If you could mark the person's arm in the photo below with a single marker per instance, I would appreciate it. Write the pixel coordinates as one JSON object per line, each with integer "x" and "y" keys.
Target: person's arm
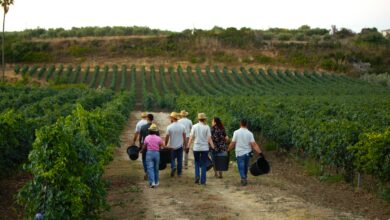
{"x": 166, "y": 139}
{"x": 211, "y": 142}
{"x": 162, "y": 145}
{"x": 232, "y": 145}
{"x": 135, "y": 137}
{"x": 189, "y": 142}
{"x": 256, "y": 147}
{"x": 143, "y": 146}
{"x": 184, "y": 137}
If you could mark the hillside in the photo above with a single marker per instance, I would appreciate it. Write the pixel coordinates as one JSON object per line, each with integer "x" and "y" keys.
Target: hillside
{"x": 305, "y": 48}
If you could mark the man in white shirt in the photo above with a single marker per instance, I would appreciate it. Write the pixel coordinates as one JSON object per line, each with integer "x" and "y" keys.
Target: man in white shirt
{"x": 138, "y": 127}
{"x": 187, "y": 123}
{"x": 174, "y": 139}
{"x": 244, "y": 142}
{"x": 201, "y": 135}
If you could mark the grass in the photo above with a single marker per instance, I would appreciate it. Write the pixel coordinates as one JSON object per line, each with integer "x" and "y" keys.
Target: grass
{"x": 271, "y": 146}
{"x": 312, "y": 168}
{"x": 331, "y": 178}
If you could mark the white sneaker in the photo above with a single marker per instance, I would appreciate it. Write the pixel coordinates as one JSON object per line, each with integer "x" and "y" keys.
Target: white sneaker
{"x": 157, "y": 184}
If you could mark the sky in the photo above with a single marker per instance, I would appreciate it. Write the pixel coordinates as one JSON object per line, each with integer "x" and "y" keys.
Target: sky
{"x": 177, "y": 15}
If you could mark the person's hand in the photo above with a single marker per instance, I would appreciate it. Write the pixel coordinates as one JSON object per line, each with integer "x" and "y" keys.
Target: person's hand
{"x": 187, "y": 150}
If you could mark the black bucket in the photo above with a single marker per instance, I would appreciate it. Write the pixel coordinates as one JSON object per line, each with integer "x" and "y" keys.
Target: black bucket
{"x": 221, "y": 163}
{"x": 165, "y": 156}
{"x": 133, "y": 152}
{"x": 260, "y": 167}
{"x": 209, "y": 164}
{"x": 162, "y": 166}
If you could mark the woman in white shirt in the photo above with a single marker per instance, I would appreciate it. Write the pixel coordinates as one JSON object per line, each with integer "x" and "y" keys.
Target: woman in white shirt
{"x": 201, "y": 135}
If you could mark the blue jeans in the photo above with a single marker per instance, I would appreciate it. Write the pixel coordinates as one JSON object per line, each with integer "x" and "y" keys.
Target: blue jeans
{"x": 243, "y": 164}
{"x": 177, "y": 155}
{"x": 144, "y": 161}
{"x": 153, "y": 162}
{"x": 201, "y": 158}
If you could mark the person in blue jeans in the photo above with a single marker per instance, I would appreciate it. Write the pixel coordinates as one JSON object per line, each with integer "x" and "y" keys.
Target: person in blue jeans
{"x": 201, "y": 135}
{"x": 174, "y": 139}
{"x": 244, "y": 142}
{"x": 153, "y": 143}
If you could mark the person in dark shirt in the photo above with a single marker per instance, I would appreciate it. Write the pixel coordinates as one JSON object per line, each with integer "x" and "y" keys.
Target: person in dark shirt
{"x": 143, "y": 133}
{"x": 220, "y": 139}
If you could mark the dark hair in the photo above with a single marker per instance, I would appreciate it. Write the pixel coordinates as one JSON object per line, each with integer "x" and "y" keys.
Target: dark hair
{"x": 243, "y": 122}
{"x": 153, "y": 132}
{"x": 218, "y": 122}
{"x": 150, "y": 117}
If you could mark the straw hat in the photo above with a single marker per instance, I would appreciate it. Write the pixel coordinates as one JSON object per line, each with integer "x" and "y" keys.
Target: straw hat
{"x": 202, "y": 116}
{"x": 144, "y": 115}
{"x": 183, "y": 113}
{"x": 153, "y": 127}
{"x": 173, "y": 115}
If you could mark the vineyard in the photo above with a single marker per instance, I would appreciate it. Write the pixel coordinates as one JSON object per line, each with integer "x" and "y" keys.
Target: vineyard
{"x": 66, "y": 135}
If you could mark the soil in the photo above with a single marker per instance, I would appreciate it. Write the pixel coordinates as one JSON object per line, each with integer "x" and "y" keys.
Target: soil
{"x": 286, "y": 193}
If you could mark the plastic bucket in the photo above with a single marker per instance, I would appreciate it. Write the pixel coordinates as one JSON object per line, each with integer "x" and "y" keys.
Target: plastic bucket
{"x": 221, "y": 163}
{"x": 260, "y": 166}
{"x": 162, "y": 166}
{"x": 133, "y": 152}
{"x": 165, "y": 156}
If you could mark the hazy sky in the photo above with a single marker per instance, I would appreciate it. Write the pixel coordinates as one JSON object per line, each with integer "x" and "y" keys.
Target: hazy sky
{"x": 182, "y": 14}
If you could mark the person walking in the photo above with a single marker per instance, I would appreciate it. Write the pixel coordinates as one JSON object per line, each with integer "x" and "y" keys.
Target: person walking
{"x": 201, "y": 135}
{"x": 143, "y": 133}
{"x": 244, "y": 142}
{"x": 174, "y": 139}
{"x": 219, "y": 137}
{"x": 152, "y": 145}
{"x": 140, "y": 123}
{"x": 187, "y": 123}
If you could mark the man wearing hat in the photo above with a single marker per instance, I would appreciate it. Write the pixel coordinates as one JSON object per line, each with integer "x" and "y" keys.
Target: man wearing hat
{"x": 201, "y": 135}
{"x": 174, "y": 139}
{"x": 145, "y": 132}
{"x": 187, "y": 123}
{"x": 140, "y": 123}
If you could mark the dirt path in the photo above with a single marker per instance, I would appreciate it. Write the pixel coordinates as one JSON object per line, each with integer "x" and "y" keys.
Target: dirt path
{"x": 266, "y": 197}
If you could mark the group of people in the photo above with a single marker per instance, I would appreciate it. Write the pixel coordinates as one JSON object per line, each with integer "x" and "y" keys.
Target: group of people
{"x": 180, "y": 135}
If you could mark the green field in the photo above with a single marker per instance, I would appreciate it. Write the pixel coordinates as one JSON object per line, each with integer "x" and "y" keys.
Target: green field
{"x": 341, "y": 122}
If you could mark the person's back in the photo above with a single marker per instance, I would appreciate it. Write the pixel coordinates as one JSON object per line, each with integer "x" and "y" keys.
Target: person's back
{"x": 145, "y": 132}
{"x": 175, "y": 131}
{"x": 243, "y": 138}
{"x": 187, "y": 123}
{"x": 201, "y": 133}
{"x": 153, "y": 142}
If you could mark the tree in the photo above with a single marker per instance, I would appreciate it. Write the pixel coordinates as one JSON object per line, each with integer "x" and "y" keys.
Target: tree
{"x": 5, "y": 4}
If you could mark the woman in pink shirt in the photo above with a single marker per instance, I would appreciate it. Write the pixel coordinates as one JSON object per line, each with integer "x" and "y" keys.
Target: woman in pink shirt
{"x": 153, "y": 143}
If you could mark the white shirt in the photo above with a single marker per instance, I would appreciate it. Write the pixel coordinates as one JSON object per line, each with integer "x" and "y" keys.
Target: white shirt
{"x": 187, "y": 123}
{"x": 141, "y": 123}
{"x": 175, "y": 132}
{"x": 200, "y": 133}
{"x": 243, "y": 138}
